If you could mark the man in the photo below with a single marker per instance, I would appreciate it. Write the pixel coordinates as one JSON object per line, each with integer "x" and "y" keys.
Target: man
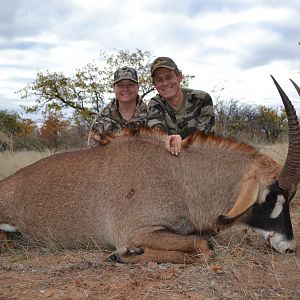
{"x": 176, "y": 110}
{"x": 126, "y": 110}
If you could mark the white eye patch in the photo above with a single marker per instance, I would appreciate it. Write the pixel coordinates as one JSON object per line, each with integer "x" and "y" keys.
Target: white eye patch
{"x": 262, "y": 196}
{"x": 278, "y": 207}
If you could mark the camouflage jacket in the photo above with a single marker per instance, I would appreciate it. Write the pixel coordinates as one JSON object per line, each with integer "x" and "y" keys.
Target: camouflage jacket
{"x": 196, "y": 113}
{"x": 110, "y": 120}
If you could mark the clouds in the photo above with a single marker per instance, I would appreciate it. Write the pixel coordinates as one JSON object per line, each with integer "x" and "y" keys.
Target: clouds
{"x": 23, "y": 19}
{"x": 230, "y": 42}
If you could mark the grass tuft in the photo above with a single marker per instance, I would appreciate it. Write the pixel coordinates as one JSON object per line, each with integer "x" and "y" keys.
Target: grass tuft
{"x": 11, "y": 162}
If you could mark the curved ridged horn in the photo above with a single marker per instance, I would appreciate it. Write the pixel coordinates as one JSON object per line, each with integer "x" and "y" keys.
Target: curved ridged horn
{"x": 296, "y": 86}
{"x": 290, "y": 173}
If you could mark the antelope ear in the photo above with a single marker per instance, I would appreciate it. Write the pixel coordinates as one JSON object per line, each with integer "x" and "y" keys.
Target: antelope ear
{"x": 248, "y": 196}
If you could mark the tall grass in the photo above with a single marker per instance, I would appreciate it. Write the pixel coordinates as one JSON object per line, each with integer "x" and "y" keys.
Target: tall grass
{"x": 12, "y": 162}
{"x": 277, "y": 151}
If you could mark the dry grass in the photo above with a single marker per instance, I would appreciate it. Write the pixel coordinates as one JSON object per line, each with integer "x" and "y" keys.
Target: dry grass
{"x": 12, "y": 162}
{"x": 277, "y": 151}
{"x": 242, "y": 267}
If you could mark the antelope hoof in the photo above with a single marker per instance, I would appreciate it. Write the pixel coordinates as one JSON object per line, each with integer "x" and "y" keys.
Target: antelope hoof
{"x": 117, "y": 255}
{"x": 114, "y": 257}
{"x": 136, "y": 251}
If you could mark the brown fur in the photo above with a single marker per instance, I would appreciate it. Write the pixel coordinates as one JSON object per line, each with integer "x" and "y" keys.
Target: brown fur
{"x": 133, "y": 193}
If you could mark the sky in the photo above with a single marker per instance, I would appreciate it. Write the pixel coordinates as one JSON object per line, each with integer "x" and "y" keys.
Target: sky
{"x": 228, "y": 44}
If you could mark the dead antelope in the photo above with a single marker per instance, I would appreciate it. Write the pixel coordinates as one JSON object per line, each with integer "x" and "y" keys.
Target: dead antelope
{"x": 132, "y": 196}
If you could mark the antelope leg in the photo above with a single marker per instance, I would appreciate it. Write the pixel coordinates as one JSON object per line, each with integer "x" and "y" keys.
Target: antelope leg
{"x": 162, "y": 246}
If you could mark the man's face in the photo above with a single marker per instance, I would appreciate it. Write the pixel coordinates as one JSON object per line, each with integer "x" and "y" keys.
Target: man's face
{"x": 126, "y": 90}
{"x": 167, "y": 82}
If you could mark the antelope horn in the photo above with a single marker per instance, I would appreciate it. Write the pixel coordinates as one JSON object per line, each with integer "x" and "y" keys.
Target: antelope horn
{"x": 296, "y": 86}
{"x": 288, "y": 178}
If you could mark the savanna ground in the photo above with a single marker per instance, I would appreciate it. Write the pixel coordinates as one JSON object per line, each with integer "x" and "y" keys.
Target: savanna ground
{"x": 242, "y": 267}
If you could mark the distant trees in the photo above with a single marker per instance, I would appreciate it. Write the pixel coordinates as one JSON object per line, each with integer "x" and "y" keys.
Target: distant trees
{"x": 17, "y": 133}
{"x": 10, "y": 122}
{"x": 272, "y": 122}
{"x": 250, "y": 121}
{"x": 54, "y": 133}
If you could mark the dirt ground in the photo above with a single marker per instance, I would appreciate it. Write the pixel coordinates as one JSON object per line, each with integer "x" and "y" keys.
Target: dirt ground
{"x": 242, "y": 267}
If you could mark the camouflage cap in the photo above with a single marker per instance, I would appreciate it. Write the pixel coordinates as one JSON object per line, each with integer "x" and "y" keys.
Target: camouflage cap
{"x": 163, "y": 62}
{"x": 125, "y": 73}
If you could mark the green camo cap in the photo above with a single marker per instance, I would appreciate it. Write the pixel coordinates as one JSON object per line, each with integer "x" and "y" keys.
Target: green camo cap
{"x": 125, "y": 73}
{"x": 163, "y": 62}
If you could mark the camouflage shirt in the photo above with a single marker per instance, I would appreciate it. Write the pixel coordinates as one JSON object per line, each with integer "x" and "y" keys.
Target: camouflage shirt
{"x": 196, "y": 112}
{"x": 110, "y": 120}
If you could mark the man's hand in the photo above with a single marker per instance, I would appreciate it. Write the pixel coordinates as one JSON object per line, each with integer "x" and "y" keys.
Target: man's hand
{"x": 173, "y": 144}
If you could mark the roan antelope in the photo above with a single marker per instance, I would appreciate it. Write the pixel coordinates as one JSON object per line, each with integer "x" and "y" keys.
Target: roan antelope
{"x": 132, "y": 196}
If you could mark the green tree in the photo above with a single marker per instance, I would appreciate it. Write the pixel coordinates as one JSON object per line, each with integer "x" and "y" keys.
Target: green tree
{"x": 259, "y": 123}
{"x": 10, "y": 122}
{"x": 272, "y": 122}
{"x": 18, "y": 133}
{"x": 233, "y": 117}
{"x": 82, "y": 93}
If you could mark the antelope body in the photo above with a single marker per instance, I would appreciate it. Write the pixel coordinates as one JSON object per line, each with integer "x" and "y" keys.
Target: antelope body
{"x": 133, "y": 196}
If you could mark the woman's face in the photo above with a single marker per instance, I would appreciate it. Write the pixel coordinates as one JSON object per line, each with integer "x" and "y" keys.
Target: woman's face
{"x": 126, "y": 90}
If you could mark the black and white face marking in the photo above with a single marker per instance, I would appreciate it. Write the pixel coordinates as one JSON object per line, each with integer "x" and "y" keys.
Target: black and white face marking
{"x": 270, "y": 217}
{"x": 278, "y": 207}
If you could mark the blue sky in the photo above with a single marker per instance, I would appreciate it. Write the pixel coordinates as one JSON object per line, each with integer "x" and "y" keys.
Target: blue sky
{"x": 224, "y": 43}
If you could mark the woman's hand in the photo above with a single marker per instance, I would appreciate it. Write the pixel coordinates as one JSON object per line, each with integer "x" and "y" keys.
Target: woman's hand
{"x": 173, "y": 144}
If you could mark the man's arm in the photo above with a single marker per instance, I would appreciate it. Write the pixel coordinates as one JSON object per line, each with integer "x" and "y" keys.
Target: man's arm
{"x": 156, "y": 120}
